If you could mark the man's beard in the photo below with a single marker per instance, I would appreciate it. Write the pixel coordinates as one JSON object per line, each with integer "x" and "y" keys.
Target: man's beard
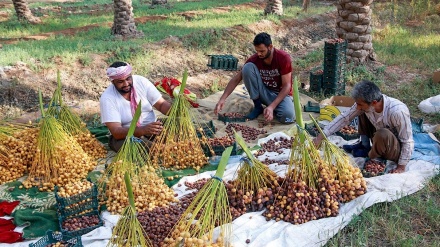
{"x": 267, "y": 55}
{"x": 371, "y": 109}
{"x": 124, "y": 91}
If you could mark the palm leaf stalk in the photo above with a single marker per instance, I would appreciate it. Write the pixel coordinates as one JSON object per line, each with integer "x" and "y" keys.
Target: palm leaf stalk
{"x": 128, "y": 231}
{"x": 149, "y": 188}
{"x": 73, "y": 124}
{"x": 304, "y": 157}
{"x": 253, "y": 175}
{"x": 58, "y": 159}
{"x": 178, "y": 146}
{"x": 349, "y": 179}
{"x": 207, "y": 220}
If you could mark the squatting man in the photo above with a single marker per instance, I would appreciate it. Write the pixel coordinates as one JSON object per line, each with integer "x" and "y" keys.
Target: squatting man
{"x": 267, "y": 76}
{"x": 119, "y": 101}
{"x": 383, "y": 120}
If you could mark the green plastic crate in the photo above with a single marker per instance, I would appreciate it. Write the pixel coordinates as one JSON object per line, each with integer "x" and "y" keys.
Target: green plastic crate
{"x": 225, "y": 62}
{"x": 52, "y": 237}
{"x": 226, "y": 119}
{"x": 312, "y": 107}
{"x": 218, "y": 150}
{"x": 81, "y": 231}
{"x": 77, "y": 204}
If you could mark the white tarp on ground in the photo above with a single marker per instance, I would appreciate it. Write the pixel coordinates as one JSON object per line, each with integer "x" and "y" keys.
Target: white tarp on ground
{"x": 253, "y": 226}
{"x": 260, "y": 232}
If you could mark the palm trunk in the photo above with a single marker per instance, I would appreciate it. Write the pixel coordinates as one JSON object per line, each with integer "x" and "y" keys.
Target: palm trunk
{"x": 354, "y": 25}
{"x": 306, "y": 4}
{"x": 274, "y": 7}
{"x": 23, "y": 12}
{"x": 123, "y": 22}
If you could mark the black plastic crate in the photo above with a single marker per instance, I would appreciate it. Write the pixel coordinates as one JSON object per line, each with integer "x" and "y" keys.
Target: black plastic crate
{"x": 316, "y": 81}
{"x": 207, "y": 129}
{"x": 52, "y": 237}
{"x": 81, "y": 231}
{"x": 225, "y": 62}
{"x": 225, "y": 119}
{"x": 218, "y": 150}
{"x": 347, "y": 137}
{"x": 330, "y": 46}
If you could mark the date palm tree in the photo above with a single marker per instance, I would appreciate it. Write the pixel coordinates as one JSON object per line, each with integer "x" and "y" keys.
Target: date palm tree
{"x": 24, "y": 13}
{"x": 354, "y": 25}
{"x": 274, "y": 7}
{"x": 123, "y": 22}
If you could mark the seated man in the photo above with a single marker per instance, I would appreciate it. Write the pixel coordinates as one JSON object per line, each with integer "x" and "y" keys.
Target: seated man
{"x": 119, "y": 101}
{"x": 383, "y": 119}
{"x": 267, "y": 76}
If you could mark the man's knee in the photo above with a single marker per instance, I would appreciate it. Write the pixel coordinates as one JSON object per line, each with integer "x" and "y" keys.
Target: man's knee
{"x": 248, "y": 69}
{"x": 286, "y": 118}
{"x": 382, "y": 134}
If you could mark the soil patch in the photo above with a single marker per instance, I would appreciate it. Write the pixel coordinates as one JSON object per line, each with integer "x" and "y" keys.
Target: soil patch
{"x": 19, "y": 85}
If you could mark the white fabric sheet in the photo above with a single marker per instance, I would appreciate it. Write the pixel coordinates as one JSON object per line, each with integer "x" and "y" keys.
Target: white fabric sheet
{"x": 260, "y": 232}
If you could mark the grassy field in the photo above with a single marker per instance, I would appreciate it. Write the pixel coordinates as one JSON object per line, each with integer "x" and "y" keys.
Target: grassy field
{"x": 406, "y": 35}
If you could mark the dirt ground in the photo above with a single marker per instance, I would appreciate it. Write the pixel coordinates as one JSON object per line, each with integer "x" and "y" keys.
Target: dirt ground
{"x": 84, "y": 84}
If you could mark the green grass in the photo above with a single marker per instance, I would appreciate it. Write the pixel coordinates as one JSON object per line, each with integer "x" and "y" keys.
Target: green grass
{"x": 99, "y": 40}
{"x": 411, "y": 221}
{"x": 399, "y": 45}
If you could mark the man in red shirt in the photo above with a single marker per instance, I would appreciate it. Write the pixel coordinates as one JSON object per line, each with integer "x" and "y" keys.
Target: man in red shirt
{"x": 267, "y": 76}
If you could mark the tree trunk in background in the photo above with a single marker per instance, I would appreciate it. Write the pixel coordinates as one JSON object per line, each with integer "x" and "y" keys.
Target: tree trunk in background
{"x": 123, "y": 22}
{"x": 155, "y": 2}
{"x": 354, "y": 25}
{"x": 274, "y": 7}
{"x": 306, "y": 4}
{"x": 24, "y": 13}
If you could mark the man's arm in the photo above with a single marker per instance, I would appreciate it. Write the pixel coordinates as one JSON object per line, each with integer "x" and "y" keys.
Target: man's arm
{"x": 286, "y": 82}
{"x": 232, "y": 84}
{"x": 119, "y": 132}
{"x": 163, "y": 106}
{"x": 402, "y": 120}
{"x": 337, "y": 123}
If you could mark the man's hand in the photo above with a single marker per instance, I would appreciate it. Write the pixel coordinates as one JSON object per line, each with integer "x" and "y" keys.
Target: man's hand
{"x": 317, "y": 140}
{"x": 219, "y": 106}
{"x": 268, "y": 113}
{"x": 153, "y": 128}
{"x": 399, "y": 169}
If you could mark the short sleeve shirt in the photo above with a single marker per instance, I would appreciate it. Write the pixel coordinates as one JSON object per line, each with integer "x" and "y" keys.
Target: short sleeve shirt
{"x": 115, "y": 108}
{"x": 271, "y": 74}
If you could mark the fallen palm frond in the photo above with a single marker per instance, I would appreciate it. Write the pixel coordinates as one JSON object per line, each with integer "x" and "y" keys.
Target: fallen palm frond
{"x": 178, "y": 146}
{"x": 149, "y": 188}
{"x": 73, "y": 124}
{"x": 207, "y": 220}
{"x": 58, "y": 159}
{"x": 128, "y": 231}
{"x": 347, "y": 178}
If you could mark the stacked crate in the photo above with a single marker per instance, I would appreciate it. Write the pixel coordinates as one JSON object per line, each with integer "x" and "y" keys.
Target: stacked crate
{"x": 316, "y": 75}
{"x": 335, "y": 54}
{"x": 224, "y": 62}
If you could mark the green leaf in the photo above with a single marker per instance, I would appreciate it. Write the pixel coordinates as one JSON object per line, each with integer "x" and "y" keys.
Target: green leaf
{"x": 136, "y": 116}
{"x": 223, "y": 162}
